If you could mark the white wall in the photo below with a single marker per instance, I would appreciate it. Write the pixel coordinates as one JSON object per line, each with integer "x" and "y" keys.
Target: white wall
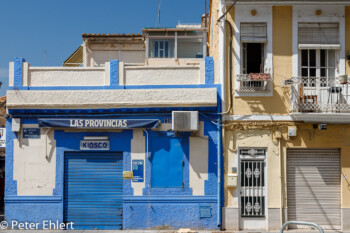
{"x": 181, "y": 72}
{"x": 138, "y": 152}
{"x": 34, "y": 166}
{"x": 122, "y": 98}
{"x": 99, "y": 58}
{"x": 199, "y": 153}
{"x": 162, "y": 75}
{"x": 100, "y": 53}
{"x": 65, "y": 76}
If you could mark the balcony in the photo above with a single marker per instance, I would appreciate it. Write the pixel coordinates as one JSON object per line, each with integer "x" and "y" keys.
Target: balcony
{"x": 320, "y": 99}
{"x": 252, "y": 83}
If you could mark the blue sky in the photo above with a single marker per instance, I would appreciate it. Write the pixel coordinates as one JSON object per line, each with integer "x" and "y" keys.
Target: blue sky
{"x": 27, "y": 28}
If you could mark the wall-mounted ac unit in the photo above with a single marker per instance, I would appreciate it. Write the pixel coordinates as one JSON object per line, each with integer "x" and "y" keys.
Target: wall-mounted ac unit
{"x": 185, "y": 121}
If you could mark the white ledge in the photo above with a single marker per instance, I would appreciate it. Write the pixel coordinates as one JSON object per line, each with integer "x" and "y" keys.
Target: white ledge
{"x": 104, "y": 99}
{"x": 335, "y": 118}
{"x": 258, "y": 118}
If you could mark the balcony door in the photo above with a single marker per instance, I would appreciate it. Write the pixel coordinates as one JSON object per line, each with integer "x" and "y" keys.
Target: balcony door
{"x": 319, "y": 87}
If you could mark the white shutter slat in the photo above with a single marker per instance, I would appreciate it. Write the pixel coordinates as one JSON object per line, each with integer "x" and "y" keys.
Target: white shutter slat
{"x": 253, "y": 33}
{"x": 319, "y": 33}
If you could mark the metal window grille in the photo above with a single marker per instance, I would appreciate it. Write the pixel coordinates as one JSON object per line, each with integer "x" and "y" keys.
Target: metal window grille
{"x": 253, "y": 33}
{"x": 252, "y": 181}
{"x": 318, "y": 33}
{"x": 253, "y": 152}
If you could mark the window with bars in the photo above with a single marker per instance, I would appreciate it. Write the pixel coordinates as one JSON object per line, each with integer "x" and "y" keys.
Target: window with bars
{"x": 252, "y": 182}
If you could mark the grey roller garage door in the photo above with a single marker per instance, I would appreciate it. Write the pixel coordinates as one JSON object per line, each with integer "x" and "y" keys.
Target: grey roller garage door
{"x": 313, "y": 186}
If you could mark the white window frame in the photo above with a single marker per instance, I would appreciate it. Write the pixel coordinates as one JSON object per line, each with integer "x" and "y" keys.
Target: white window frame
{"x": 162, "y": 49}
{"x": 318, "y": 64}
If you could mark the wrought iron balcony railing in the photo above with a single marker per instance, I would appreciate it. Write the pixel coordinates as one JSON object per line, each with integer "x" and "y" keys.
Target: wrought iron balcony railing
{"x": 320, "y": 94}
{"x": 249, "y": 83}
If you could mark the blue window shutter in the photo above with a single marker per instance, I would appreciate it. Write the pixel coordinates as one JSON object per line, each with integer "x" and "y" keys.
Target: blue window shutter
{"x": 166, "y": 49}
{"x": 155, "y": 48}
{"x": 167, "y": 159}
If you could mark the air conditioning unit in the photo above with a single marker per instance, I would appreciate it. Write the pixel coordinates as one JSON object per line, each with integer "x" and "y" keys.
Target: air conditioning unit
{"x": 185, "y": 121}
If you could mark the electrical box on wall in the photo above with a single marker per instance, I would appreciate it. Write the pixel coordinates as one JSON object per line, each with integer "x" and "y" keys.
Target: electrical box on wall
{"x": 232, "y": 180}
{"x": 292, "y": 131}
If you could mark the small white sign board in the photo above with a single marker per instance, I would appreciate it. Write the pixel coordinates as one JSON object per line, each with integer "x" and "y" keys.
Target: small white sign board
{"x": 2, "y": 137}
{"x": 94, "y": 145}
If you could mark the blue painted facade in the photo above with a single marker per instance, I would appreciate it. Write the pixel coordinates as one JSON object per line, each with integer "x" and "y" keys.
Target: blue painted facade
{"x": 165, "y": 206}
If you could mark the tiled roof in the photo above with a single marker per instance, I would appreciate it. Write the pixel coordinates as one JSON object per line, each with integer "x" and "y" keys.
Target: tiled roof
{"x": 85, "y": 35}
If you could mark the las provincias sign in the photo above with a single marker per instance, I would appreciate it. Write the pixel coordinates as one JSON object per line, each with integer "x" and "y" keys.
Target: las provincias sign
{"x": 99, "y": 123}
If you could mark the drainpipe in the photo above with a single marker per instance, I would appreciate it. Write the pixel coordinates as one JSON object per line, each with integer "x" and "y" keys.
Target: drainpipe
{"x": 282, "y": 178}
{"x": 219, "y": 174}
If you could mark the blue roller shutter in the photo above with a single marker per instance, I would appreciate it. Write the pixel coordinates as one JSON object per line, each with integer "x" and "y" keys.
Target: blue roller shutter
{"x": 93, "y": 190}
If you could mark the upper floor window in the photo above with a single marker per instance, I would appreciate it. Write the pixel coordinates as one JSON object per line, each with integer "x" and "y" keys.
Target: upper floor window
{"x": 253, "y": 50}
{"x": 318, "y": 44}
{"x": 253, "y": 40}
{"x": 176, "y": 43}
{"x": 162, "y": 48}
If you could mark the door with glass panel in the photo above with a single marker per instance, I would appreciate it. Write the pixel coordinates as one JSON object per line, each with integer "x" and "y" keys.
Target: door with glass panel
{"x": 319, "y": 89}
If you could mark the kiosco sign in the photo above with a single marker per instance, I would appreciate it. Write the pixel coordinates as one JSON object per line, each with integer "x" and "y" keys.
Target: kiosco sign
{"x": 94, "y": 145}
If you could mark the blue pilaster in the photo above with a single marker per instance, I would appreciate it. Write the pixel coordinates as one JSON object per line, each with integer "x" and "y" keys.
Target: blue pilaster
{"x": 114, "y": 73}
{"x": 18, "y": 72}
{"x": 209, "y": 70}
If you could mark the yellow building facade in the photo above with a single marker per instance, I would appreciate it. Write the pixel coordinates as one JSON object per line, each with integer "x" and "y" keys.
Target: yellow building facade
{"x": 285, "y": 71}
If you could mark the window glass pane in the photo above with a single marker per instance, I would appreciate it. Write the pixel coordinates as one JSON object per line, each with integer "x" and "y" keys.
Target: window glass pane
{"x": 323, "y": 55}
{"x": 190, "y": 47}
{"x": 166, "y": 49}
{"x": 331, "y": 58}
{"x": 304, "y": 58}
{"x": 156, "y": 44}
{"x": 304, "y": 72}
{"x": 331, "y": 72}
{"x": 312, "y": 72}
{"x": 161, "y": 48}
{"x": 312, "y": 54}
{"x": 323, "y": 72}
